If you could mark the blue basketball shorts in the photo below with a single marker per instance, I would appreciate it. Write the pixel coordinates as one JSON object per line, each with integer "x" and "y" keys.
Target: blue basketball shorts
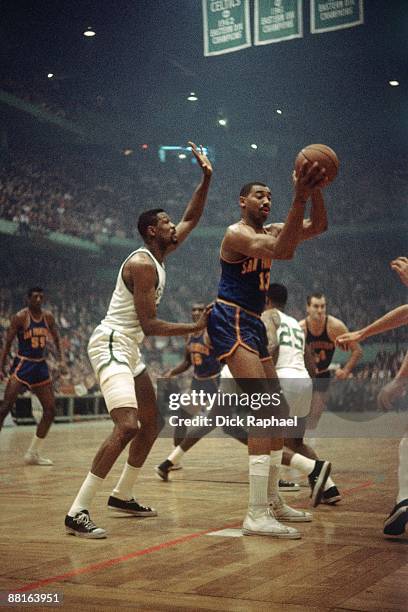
{"x": 230, "y": 326}
{"x": 30, "y": 373}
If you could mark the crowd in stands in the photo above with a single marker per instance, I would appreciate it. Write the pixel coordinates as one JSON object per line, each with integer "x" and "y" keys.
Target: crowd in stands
{"x": 85, "y": 198}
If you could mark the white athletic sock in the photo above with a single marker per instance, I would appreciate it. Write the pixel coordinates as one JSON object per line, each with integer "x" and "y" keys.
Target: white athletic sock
{"x": 124, "y": 488}
{"x": 176, "y": 455}
{"x": 258, "y": 481}
{"x": 36, "y": 444}
{"x": 274, "y": 471}
{"x": 86, "y": 494}
{"x": 302, "y": 463}
{"x": 403, "y": 470}
{"x": 329, "y": 483}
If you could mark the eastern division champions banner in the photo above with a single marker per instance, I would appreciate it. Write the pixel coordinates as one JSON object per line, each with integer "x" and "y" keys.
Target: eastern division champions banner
{"x": 277, "y": 20}
{"x": 227, "y": 26}
{"x": 327, "y": 15}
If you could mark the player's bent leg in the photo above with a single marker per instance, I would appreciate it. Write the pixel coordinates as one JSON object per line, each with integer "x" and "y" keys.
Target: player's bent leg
{"x": 13, "y": 388}
{"x": 122, "y": 498}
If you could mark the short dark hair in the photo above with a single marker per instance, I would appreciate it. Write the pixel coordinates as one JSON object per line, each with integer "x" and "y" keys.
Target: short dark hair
{"x": 148, "y": 217}
{"x": 318, "y": 295}
{"x": 32, "y": 290}
{"x": 247, "y": 188}
{"x": 278, "y": 294}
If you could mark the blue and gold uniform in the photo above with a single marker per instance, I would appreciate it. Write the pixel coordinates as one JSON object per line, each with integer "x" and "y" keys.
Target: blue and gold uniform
{"x": 30, "y": 367}
{"x": 235, "y": 319}
{"x": 205, "y": 364}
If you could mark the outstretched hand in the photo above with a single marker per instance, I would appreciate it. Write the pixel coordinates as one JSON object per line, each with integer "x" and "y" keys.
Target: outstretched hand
{"x": 400, "y": 266}
{"x": 344, "y": 340}
{"x": 201, "y": 158}
{"x": 202, "y": 321}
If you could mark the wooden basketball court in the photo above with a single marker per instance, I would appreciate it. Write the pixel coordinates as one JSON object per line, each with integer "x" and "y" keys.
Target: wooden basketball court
{"x": 176, "y": 561}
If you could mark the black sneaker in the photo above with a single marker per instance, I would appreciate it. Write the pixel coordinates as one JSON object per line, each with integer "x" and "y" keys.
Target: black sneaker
{"x": 81, "y": 525}
{"x": 395, "y": 524}
{"x": 331, "y": 496}
{"x": 317, "y": 479}
{"x": 285, "y": 485}
{"x": 163, "y": 470}
{"x": 130, "y": 507}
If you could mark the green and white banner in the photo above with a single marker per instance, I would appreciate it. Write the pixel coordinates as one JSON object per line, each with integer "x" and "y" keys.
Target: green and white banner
{"x": 227, "y": 26}
{"x": 327, "y": 15}
{"x": 277, "y": 20}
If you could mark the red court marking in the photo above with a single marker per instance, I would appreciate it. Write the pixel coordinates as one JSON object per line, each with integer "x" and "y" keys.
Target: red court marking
{"x": 145, "y": 551}
{"x": 110, "y": 562}
{"x": 362, "y": 485}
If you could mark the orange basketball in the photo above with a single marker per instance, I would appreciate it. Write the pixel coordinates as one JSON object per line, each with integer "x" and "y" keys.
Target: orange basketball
{"x": 322, "y": 154}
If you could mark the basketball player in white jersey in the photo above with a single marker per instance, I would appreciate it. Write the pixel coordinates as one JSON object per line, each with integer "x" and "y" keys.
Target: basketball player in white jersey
{"x": 395, "y": 523}
{"x": 294, "y": 366}
{"x": 115, "y": 356}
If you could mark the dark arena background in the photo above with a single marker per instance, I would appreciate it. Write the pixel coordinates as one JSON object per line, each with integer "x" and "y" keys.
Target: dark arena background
{"x": 93, "y": 131}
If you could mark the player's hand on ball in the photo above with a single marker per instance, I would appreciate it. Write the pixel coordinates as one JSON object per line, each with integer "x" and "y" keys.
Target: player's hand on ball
{"x": 310, "y": 177}
{"x": 202, "y": 159}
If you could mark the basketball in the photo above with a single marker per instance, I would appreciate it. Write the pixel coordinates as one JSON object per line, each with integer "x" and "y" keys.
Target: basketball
{"x": 322, "y": 154}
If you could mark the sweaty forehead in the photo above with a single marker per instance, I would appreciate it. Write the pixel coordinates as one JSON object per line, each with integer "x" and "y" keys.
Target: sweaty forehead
{"x": 318, "y": 302}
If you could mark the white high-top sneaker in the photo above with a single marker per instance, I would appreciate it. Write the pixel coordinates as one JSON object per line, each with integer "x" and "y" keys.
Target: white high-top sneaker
{"x": 262, "y": 522}
{"x": 285, "y": 513}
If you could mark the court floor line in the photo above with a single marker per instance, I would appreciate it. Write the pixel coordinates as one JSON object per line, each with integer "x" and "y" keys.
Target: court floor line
{"x": 94, "y": 567}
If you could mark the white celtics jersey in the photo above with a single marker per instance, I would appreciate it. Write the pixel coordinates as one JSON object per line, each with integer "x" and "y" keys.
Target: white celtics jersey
{"x": 291, "y": 339}
{"x": 121, "y": 315}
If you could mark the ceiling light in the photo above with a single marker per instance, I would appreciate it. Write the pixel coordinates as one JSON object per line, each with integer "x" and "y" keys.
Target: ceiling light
{"x": 50, "y": 75}
{"x": 254, "y": 146}
{"x": 278, "y": 110}
{"x": 89, "y": 32}
{"x": 192, "y": 97}
{"x": 182, "y": 156}
{"x": 393, "y": 83}
{"x": 222, "y": 122}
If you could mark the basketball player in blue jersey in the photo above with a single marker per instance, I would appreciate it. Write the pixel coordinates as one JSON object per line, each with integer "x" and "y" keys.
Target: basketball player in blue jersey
{"x": 32, "y": 326}
{"x": 206, "y": 376}
{"x": 236, "y": 331}
{"x": 321, "y": 331}
{"x": 115, "y": 356}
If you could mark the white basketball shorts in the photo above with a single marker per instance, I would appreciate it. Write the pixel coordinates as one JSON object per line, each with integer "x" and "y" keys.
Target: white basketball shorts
{"x": 116, "y": 360}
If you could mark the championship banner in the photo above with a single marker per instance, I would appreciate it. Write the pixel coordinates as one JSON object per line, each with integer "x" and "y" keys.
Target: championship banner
{"x": 226, "y": 26}
{"x": 327, "y": 15}
{"x": 277, "y": 20}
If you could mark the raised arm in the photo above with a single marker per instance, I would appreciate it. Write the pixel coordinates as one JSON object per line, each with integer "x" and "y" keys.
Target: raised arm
{"x": 195, "y": 207}
{"x": 318, "y": 223}
{"x": 144, "y": 276}
{"x": 15, "y": 323}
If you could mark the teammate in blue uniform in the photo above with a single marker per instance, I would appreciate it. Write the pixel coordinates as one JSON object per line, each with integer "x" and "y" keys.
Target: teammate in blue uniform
{"x": 29, "y": 370}
{"x": 206, "y": 377}
{"x": 235, "y": 328}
